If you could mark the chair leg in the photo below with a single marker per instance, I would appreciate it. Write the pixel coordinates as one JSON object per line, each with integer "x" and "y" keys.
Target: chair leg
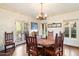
{"x": 14, "y": 46}
{"x": 62, "y": 53}
{"x": 59, "y": 52}
{"x": 28, "y": 54}
{"x": 5, "y": 49}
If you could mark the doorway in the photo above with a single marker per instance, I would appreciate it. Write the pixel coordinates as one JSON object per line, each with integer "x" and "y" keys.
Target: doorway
{"x": 21, "y": 29}
{"x": 44, "y": 30}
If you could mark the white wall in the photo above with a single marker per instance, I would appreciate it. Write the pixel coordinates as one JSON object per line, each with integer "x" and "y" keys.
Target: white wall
{"x": 8, "y": 19}
{"x": 66, "y": 16}
{"x": 7, "y": 23}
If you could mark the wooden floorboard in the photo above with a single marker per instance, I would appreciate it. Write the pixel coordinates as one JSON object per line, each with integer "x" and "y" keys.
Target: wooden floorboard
{"x": 21, "y": 51}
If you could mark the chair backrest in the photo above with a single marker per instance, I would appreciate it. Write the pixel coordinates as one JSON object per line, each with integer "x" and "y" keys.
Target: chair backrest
{"x": 50, "y": 35}
{"x": 26, "y": 35}
{"x": 31, "y": 43}
{"x": 59, "y": 43}
{"x": 8, "y": 36}
{"x": 56, "y": 41}
{"x": 61, "y": 40}
{"x": 62, "y": 35}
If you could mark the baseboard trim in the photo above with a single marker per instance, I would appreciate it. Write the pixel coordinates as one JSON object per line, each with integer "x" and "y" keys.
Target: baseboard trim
{"x": 71, "y": 46}
{"x": 20, "y": 44}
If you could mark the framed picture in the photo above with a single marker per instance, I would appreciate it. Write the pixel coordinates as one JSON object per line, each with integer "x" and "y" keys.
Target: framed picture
{"x": 54, "y": 25}
{"x": 34, "y": 26}
{"x": 49, "y": 25}
{"x": 58, "y": 25}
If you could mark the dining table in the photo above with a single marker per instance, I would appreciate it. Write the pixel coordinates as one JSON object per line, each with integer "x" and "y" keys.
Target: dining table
{"x": 45, "y": 42}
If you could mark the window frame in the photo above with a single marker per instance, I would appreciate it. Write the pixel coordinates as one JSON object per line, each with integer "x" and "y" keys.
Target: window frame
{"x": 70, "y": 29}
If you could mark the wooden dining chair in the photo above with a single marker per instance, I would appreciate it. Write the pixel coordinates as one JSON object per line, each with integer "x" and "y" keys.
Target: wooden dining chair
{"x": 55, "y": 50}
{"x": 32, "y": 48}
{"x": 61, "y": 44}
{"x": 9, "y": 40}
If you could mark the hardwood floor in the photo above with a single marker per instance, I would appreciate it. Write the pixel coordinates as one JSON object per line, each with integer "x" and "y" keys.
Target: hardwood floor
{"x": 21, "y": 51}
{"x": 71, "y": 51}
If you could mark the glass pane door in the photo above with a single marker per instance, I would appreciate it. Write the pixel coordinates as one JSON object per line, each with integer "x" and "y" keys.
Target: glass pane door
{"x": 21, "y": 29}
{"x": 44, "y": 30}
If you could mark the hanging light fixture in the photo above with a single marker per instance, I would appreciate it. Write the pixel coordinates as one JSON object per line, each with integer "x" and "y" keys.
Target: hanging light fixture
{"x": 41, "y": 16}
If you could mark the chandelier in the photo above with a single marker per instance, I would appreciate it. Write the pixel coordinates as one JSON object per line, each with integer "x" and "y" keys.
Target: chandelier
{"x": 41, "y": 16}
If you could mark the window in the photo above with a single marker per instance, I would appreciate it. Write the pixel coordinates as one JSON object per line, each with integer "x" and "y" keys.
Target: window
{"x": 70, "y": 29}
{"x": 66, "y": 25}
{"x": 66, "y": 33}
{"x": 73, "y": 31}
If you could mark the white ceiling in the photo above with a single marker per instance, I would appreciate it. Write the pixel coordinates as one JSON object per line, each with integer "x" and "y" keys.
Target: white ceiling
{"x": 33, "y": 9}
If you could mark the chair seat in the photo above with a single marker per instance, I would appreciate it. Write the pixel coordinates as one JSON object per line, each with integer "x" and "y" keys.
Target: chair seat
{"x": 51, "y": 51}
{"x": 34, "y": 53}
{"x": 9, "y": 43}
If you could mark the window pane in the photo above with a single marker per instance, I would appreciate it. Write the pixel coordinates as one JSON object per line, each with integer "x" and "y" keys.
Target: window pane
{"x": 73, "y": 32}
{"x": 66, "y": 33}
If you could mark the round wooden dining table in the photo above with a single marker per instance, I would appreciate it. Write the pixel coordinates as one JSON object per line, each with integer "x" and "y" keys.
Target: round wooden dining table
{"x": 45, "y": 42}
